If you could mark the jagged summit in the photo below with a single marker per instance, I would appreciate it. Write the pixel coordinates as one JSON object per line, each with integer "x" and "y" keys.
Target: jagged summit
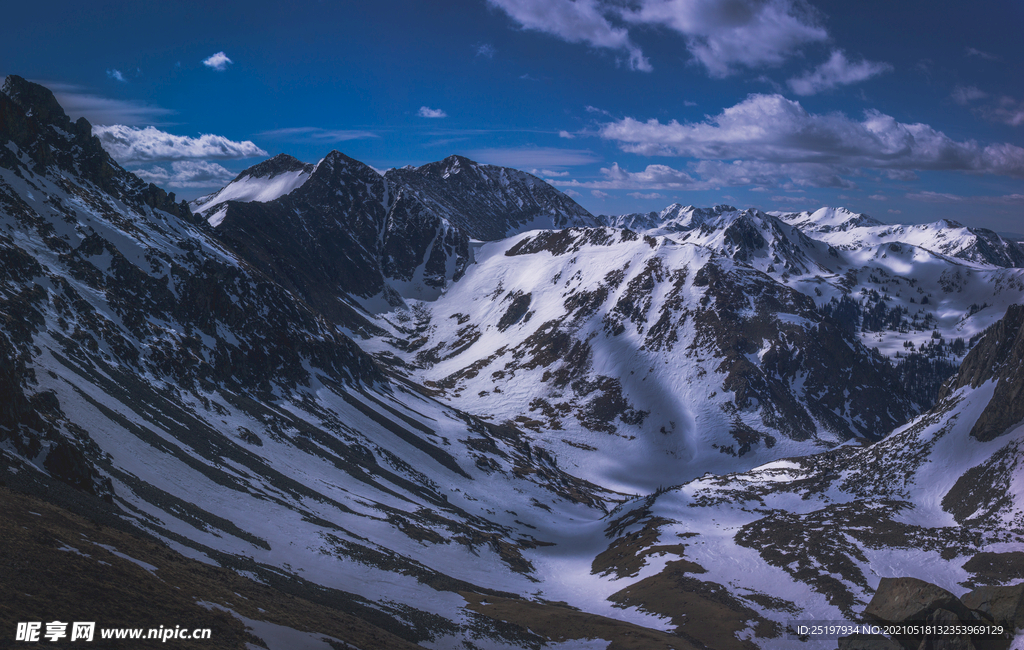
{"x": 279, "y": 164}
{"x": 262, "y": 182}
{"x": 45, "y": 139}
{"x": 35, "y": 99}
{"x": 488, "y": 202}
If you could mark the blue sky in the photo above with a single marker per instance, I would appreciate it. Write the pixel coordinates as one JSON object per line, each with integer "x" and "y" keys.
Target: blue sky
{"x": 908, "y": 111}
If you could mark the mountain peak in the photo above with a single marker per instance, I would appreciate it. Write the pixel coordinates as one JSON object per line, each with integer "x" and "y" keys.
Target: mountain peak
{"x": 279, "y": 164}
{"x": 36, "y": 100}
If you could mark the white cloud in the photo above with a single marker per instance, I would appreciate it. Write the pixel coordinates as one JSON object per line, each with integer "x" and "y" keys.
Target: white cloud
{"x": 130, "y": 144}
{"x": 77, "y": 102}
{"x": 547, "y": 172}
{"x": 964, "y": 95}
{"x": 534, "y": 157}
{"x": 426, "y": 111}
{"x": 715, "y": 174}
{"x": 900, "y": 175}
{"x": 575, "y": 21}
{"x": 689, "y": 103}
{"x": 571, "y": 193}
{"x": 771, "y": 128}
{"x": 316, "y": 134}
{"x": 116, "y": 75}
{"x": 654, "y": 177}
{"x": 1003, "y": 109}
{"x": 1008, "y": 111}
{"x": 837, "y": 71}
{"x": 891, "y": 211}
{"x": 724, "y": 34}
{"x": 187, "y": 173}
{"x": 566, "y": 135}
{"x": 980, "y": 54}
{"x": 218, "y": 62}
{"x": 790, "y": 199}
{"x": 878, "y": 197}
{"x": 942, "y": 197}
{"x": 598, "y": 194}
{"x": 486, "y": 50}
{"x": 639, "y": 195}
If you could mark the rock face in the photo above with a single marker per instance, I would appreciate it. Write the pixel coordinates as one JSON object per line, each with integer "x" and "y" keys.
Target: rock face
{"x": 347, "y": 236}
{"x": 32, "y": 120}
{"x": 485, "y": 201}
{"x": 998, "y": 357}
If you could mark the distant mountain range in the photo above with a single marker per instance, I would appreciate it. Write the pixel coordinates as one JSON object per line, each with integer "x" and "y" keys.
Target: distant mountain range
{"x": 447, "y": 406}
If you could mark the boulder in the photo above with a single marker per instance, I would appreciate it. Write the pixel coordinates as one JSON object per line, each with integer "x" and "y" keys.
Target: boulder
{"x": 1005, "y": 605}
{"x": 909, "y": 599}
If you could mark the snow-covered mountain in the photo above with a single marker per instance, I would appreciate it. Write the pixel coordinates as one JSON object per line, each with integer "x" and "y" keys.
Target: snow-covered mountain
{"x": 386, "y": 400}
{"x": 900, "y": 293}
{"x": 846, "y": 230}
{"x": 485, "y": 201}
{"x": 940, "y": 499}
{"x": 266, "y": 181}
{"x": 640, "y": 352}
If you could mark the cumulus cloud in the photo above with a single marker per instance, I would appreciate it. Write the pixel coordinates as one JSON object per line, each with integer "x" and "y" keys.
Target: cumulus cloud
{"x": 575, "y": 21}
{"x": 187, "y": 173}
{"x": 486, "y": 50}
{"x": 116, "y": 75}
{"x": 218, "y": 62}
{"x": 571, "y": 193}
{"x": 426, "y": 111}
{"x": 1007, "y": 110}
{"x": 534, "y": 157}
{"x": 598, "y": 194}
{"x": 654, "y": 177}
{"x": 837, "y": 71}
{"x": 130, "y": 144}
{"x": 771, "y": 128}
{"x": 1002, "y": 109}
{"x": 878, "y": 197}
{"x": 566, "y": 135}
{"x": 316, "y": 134}
{"x": 725, "y": 34}
{"x": 715, "y": 174}
{"x": 721, "y": 35}
{"x": 891, "y": 211}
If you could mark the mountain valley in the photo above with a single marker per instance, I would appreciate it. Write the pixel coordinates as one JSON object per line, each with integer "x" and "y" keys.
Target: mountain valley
{"x": 446, "y": 406}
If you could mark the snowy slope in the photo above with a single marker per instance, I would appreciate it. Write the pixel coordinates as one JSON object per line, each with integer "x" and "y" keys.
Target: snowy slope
{"x": 848, "y": 231}
{"x": 264, "y": 182}
{"x": 913, "y": 290}
{"x": 817, "y": 533}
{"x": 640, "y": 358}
